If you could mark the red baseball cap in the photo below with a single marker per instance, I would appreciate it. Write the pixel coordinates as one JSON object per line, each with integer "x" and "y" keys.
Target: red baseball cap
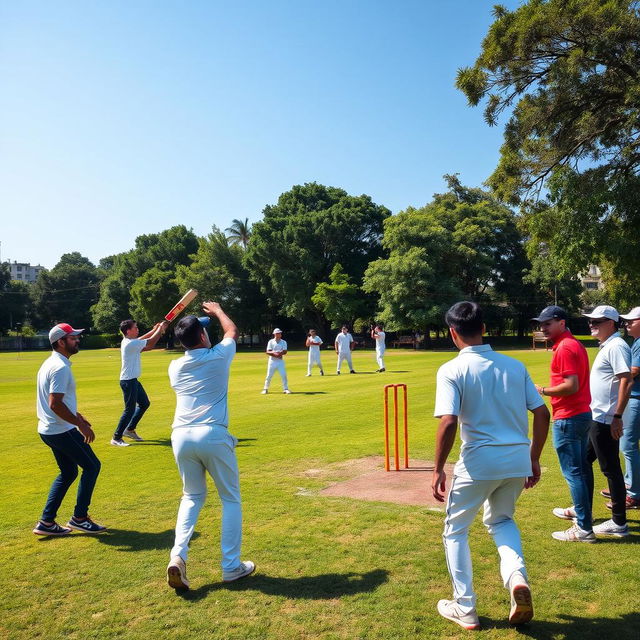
{"x": 61, "y": 330}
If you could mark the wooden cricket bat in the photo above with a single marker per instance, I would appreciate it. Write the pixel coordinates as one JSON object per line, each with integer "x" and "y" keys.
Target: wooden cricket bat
{"x": 184, "y": 301}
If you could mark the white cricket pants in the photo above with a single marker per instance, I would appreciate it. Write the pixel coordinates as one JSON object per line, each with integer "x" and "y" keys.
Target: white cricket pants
{"x": 465, "y": 499}
{"x": 344, "y": 356}
{"x": 314, "y": 358}
{"x": 276, "y": 364}
{"x": 379, "y": 358}
{"x": 199, "y": 450}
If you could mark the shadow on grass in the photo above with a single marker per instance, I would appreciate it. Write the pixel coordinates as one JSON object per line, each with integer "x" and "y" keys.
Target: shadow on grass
{"x": 162, "y": 442}
{"x": 308, "y": 393}
{"x": 131, "y": 541}
{"x": 322, "y": 587}
{"x": 625, "y": 627}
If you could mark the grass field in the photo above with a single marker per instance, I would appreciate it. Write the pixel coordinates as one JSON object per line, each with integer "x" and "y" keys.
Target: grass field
{"x": 331, "y": 568}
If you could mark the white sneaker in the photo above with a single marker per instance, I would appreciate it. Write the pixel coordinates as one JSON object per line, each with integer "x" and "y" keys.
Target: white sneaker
{"x": 574, "y": 534}
{"x": 264, "y": 392}
{"x": 246, "y": 568}
{"x": 133, "y": 435}
{"x": 450, "y": 610}
{"x": 610, "y": 528}
{"x": 566, "y": 514}
{"x": 177, "y": 573}
{"x": 119, "y": 443}
{"x": 521, "y": 601}
{"x": 308, "y": 375}
{"x": 286, "y": 391}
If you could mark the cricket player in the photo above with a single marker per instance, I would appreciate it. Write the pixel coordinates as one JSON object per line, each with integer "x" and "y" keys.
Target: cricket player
{"x": 489, "y": 394}
{"x": 136, "y": 401}
{"x": 379, "y": 336}
{"x": 202, "y": 443}
{"x": 68, "y": 434}
{"x": 344, "y": 345}
{"x": 276, "y": 350}
{"x": 313, "y": 343}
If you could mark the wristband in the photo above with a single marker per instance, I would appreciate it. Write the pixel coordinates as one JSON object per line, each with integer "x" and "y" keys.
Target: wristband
{"x": 617, "y": 415}
{"x": 542, "y": 390}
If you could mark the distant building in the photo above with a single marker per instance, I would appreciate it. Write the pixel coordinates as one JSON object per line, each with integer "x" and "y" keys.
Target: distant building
{"x": 592, "y": 279}
{"x": 24, "y": 271}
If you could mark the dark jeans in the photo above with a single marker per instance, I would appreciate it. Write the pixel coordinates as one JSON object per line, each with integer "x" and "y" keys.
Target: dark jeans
{"x": 136, "y": 403}
{"x": 71, "y": 451}
{"x": 607, "y": 450}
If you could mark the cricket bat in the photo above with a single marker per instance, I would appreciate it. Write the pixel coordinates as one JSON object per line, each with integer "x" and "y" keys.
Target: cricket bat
{"x": 184, "y": 301}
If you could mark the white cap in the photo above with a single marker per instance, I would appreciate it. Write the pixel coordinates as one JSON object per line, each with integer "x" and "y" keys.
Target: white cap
{"x": 62, "y": 330}
{"x": 276, "y": 330}
{"x": 634, "y": 314}
{"x": 604, "y": 311}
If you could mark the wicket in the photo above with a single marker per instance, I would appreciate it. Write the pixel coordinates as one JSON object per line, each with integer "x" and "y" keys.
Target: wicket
{"x": 396, "y": 452}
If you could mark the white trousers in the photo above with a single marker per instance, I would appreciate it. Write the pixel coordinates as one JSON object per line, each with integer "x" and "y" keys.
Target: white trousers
{"x": 314, "y": 358}
{"x": 465, "y": 499}
{"x": 276, "y": 364}
{"x": 344, "y": 356}
{"x": 199, "y": 450}
{"x": 379, "y": 358}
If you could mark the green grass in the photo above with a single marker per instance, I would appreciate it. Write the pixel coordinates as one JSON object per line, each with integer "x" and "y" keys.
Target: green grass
{"x": 331, "y": 568}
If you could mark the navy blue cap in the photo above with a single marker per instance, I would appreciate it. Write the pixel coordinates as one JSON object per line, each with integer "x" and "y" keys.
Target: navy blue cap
{"x": 204, "y": 321}
{"x": 551, "y": 313}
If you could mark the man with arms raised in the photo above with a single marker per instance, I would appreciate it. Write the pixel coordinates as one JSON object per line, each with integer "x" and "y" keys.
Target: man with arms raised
{"x": 489, "y": 393}
{"x": 202, "y": 443}
{"x": 67, "y": 433}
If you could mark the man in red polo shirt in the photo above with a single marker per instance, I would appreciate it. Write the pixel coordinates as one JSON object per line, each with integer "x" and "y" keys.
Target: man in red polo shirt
{"x": 570, "y": 398}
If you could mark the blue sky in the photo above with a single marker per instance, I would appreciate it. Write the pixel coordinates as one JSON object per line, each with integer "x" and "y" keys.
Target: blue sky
{"x": 123, "y": 118}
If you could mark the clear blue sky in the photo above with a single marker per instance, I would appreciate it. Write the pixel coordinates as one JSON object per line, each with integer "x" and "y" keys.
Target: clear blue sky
{"x": 127, "y": 117}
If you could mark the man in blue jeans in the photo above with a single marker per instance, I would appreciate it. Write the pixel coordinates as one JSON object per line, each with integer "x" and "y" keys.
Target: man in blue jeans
{"x": 570, "y": 398}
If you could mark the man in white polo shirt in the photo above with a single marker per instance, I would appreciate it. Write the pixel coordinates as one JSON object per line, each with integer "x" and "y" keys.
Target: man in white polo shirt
{"x": 202, "y": 443}
{"x": 379, "y": 336}
{"x": 489, "y": 393}
{"x": 69, "y": 435}
{"x": 276, "y": 350}
{"x": 344, "y": 345}
{"x": 136, "y": 401}
{"x": 313, "y": 344}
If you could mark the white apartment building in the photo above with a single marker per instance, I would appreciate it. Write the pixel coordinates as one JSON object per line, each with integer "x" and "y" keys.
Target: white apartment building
{"x": 24, "y": 271}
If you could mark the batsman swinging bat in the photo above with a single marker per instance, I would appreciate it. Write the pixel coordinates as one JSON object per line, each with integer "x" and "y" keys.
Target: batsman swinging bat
{"x": 184, "y": 301}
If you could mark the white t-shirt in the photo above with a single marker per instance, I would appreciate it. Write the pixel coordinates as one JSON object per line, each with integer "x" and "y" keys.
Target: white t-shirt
{"x": 343, "y": 341}
{"x": 276, "y": 347}
{"x": 380, "y": 345}
{"x": 614, "y": 357}
{"x": 130, "y": 350}
{"x": 316, "y": 341}
{"x": 490, "y": 393}
{"x": 55, "y": 376}
{"x": 201, "y": 380}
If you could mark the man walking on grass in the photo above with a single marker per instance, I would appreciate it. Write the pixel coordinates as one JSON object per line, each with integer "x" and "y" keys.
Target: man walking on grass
{"x": 136, "y": 401}
{"x": 570, "y": 399}
{"x": 202, "y": 443}
{"x": 489, "y": 393}
{"x": 67, "y": 433}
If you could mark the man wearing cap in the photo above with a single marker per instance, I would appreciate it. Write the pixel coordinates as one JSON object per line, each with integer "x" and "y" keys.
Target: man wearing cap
{"x": 136, "y": 401}
{"x": 313, "y": 343}
{"x": 631, "y": 416}
{"x": 68, "y": 434}
{"x": 344, "y": 345}
{"x": 609, "y": 381}
{"x": 276, "y": 350}
{"x": 570, "y": 402}
{"x": 202, "y": 443}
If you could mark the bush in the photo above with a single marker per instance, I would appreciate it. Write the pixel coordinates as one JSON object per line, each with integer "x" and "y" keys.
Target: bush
{"x": 101, "y": 341}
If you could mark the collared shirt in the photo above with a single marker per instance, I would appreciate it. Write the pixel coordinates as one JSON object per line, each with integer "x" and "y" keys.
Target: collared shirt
{"x": 635, "y": 362}
{"x": 570, "y": 359}
{"x": 614, "y": 358}
{"x": 490, "y": 393}
{"x": 130, "y": 350}
{"x": 344, "y": 340}
{"x": 380, "y": 345}
{"x": 276, "y": 347}
{"x": 201, "y": 381}
{"x": 54, "y": 376}
{"x": 316, "y": 341}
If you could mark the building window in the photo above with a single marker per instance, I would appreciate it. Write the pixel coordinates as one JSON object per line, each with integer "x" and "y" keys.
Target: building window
{"x": 19, "y": 267}
{"x": 590, "y": 285}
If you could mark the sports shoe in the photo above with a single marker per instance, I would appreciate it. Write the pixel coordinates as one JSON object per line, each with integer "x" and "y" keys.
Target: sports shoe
{"x": 610, "y": 528}
{"x": 321, "y": 372}
{"x": 629, "y": 503}
{"x": 246, "y": 568}
{"x": 87, "y": 525}
{"x": 381, "y": 370}
{"x": 53, "y": 529}
{"x": 119, "y": 443}
{"x": 566, "y": 514}
{"x": 605, "y": 493}
{"x": 352, "y": 371}
{"x": 450, "y": 610}
{"x": 264, "y": 392}
{"x": 286, "y": 391}
{"x": 521, "y": 601}
{"x": 308, "y": 375}
{"x": 337, "y": 373}
{"x": 133, "y": 435}
{"x": 574, "y": 534}
{"x": 177, "y": 574}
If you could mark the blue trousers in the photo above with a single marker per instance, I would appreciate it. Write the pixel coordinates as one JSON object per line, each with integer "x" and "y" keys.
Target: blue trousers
{"x": 136, "y": 402}
{"x": 629, "y": 447}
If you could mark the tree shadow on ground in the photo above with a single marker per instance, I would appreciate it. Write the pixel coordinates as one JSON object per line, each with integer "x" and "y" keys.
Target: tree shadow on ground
{"x": 162, "y": 442}
{"x": 625, "y": 627}
{"x": 321, "y": 587}
{"x": 308, "y": 393}
{"x": 131, "y": 541}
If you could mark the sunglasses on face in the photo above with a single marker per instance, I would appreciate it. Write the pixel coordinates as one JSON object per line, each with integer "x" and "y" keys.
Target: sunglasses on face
{"x": 595, "y": 323}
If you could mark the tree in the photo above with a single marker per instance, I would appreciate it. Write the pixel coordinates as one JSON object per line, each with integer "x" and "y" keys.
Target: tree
{"x": 239, "y": 232}
{"x": 302, "y": 237}
{"x": 15, "y": 301}
{"x": 152, "y": 294}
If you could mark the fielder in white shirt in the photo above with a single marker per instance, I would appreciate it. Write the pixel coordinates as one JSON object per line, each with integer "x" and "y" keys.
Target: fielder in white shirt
{"x": 202, "y": 443}
{"x": 379, "y": 336}
{"x": 489, "y": 393}
{"x": 276, "y": 350}
{"x": 344, "y": 345}
{"x": 313, "y": 343}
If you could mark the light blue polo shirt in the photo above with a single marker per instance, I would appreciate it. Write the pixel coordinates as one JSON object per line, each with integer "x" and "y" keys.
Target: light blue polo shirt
{"x": 613, "y": 358}
{"x": 635, "y": 362}
{"x": 490, "y": 393}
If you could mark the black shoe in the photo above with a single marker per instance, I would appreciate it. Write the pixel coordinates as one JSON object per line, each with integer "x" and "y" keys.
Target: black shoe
{"x": 381, "y": 370}
{"x": 87, "y": 525}
{"x": 321, "y": 372}
{"x": 352, "y": 371}
{"x": 337, "y": 373}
